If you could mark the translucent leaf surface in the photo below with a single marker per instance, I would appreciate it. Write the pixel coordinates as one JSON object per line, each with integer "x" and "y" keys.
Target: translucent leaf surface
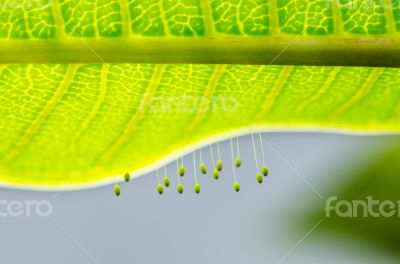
{"x": 310, "y": 32}
{"x": 59, "y": 121}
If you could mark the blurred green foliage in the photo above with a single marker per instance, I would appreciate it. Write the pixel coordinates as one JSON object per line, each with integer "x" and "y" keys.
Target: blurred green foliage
{"x": 380, "y": 181}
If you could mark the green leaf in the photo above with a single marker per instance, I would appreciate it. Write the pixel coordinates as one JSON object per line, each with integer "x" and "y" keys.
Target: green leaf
{"x": 84, "y": 123}
{"x": 64, "y": 121}
{"x": 307, "y": 32}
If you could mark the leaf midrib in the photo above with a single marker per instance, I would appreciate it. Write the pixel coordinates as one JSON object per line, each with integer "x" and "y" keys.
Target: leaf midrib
{"x": 328, "y": 51}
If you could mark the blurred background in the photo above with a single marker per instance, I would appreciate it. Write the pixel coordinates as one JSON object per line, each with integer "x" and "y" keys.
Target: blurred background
{"x": 282, "y": 220}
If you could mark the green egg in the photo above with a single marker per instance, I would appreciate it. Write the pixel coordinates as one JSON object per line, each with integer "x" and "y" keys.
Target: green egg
{"x": 216, "y": 174}
{"x": 259, "y": 178}
{"x": 265, "y": 170}
{"x": 166, "y": 181}
{"x": 181, "y": 171}
{"x": 236, "y": 186}
{"x": 238, "y": 162}
{"x": 219, "y": 165}
{"x": 160, "y": 189}
{"x": 117, "y": 190}
{"x": 179, "y": 188}
{"x": 203, "y": 168}
{"x": 127, "y": 177}
{"x": 197, "y": 188}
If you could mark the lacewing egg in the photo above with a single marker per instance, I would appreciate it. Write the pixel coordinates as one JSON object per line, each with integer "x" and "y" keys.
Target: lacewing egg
{"x": 265, "y": 170}
{"x": 160, "y": 189}
{"x": 127, "y": 177}
{"x": 117, "y": 190}
{"x": 179, "y": 188}
{"x": 203, "y": 168}
{"x": 197, "y": 188}
{"x": 236, "y": 186}
{"x": 219, "y": 165}
{"x": 181, "y": 171}
{"x": 166, "y": 181}
{"x": 216, "y": 174}
{"x": 259, "y": 178}
{"x": 238, "y": 162}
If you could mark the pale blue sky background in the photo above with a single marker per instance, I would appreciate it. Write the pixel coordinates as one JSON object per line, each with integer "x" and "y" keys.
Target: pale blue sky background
{"x": 261, "y": 224}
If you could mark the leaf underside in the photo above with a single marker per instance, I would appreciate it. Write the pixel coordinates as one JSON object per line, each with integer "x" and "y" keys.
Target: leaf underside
{"x": 74, "y": 123}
